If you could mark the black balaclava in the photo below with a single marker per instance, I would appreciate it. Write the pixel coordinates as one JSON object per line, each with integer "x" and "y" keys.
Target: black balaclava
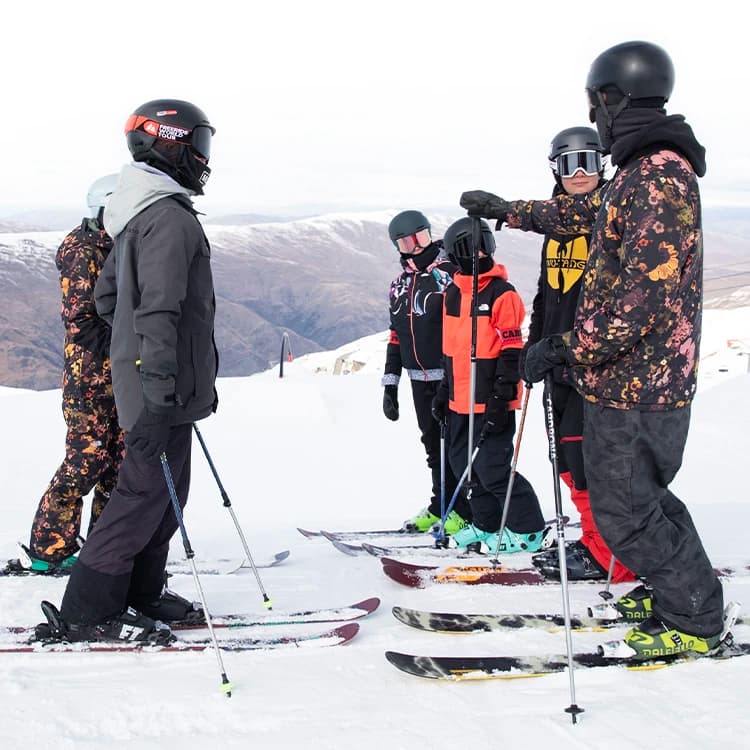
{"x": 423, "y": 259}
{"x": 625, "y": 132}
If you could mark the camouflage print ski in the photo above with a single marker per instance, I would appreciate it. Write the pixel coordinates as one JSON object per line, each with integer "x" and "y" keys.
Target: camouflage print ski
{"x": 467, "y": 668}
{"x": 454, "y": 622}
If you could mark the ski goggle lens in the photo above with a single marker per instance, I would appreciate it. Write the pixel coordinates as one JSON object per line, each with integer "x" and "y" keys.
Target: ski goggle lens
{"x": 200, "y": 140}
{"x": 411, "y": 242}
{"x": 589, "y": 162}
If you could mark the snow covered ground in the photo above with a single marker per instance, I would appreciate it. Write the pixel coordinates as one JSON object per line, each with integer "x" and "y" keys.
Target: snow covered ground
{"x": 314, "y": 450}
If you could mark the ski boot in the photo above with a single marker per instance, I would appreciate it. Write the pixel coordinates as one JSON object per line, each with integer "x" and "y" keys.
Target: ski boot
{"x": 636, "y": 605}
{"x": 129, "y": 625}
{"x": 422, "y": 522}
{"x": 470, "y": 537}
{"x": 579, "y": 562}
{"x": 27, "y": 564}
{"x": 513, "y": 542}
{"x": 171, "y": 607}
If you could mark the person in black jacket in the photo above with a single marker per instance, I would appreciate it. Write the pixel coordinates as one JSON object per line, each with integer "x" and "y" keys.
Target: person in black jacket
{"x": 156, "y": 289}
{"x": 575, "y": 158}
{"x": 93, "y": 439}
{"x": 415, "y": 344}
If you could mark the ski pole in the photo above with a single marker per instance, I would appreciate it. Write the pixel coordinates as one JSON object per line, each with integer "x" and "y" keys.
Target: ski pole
{"x": 226, "y": 686}
{"x": 607, "y": 594}
{"x": 573, "y": 709}
{"x": 511, "y": 479}
{"x": 476, "y": 238}
{"x": 443, "y": 514}
{"x": 228, "y": 505}
{"x": 439, "y": 534}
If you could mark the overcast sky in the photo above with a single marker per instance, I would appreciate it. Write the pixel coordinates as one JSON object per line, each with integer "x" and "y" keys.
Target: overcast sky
{"x": 333, "y": 105}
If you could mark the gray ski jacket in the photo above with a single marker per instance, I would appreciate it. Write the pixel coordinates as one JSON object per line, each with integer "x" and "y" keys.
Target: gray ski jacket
{"x": 156, "y": 291}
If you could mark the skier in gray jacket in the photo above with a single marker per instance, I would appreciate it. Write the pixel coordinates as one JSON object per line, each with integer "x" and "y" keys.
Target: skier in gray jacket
{"x": 156, "y": 290}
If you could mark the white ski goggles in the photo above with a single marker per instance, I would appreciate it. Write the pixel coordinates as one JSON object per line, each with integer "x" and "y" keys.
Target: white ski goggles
{"x": 588, "y": 162}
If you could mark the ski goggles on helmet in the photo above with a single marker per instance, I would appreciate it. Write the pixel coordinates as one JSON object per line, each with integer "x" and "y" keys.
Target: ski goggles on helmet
{"x": 200, "y": 141}
{"x": 411, "y": 242}
{"x": 588, "y": 162}
{"x": 199, "y": 138}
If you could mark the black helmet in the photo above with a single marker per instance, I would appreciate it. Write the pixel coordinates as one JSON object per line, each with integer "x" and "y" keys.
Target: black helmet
{"x": 639, "y": 70}
{"x": 574, "y": 139}
{"x": 407, "y": 223}
{"x": 173, "y": 136}
{"x": 459, "y": 242}
{"x": 573, "y": 149}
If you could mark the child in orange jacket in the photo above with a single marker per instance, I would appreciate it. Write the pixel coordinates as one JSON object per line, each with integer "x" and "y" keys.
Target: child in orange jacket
{"x": 500, "y": 313}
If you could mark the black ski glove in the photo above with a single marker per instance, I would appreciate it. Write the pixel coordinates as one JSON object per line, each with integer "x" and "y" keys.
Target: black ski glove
{"x": 545, "y": 355}
{"x": 439, "y": 406}
{"x": 522, "y": 360}
{"x": 150, "y": 435}
{"x": 390, "y": 402}
{"x": 496, "y": 410}
{"x": 486, "y": 205}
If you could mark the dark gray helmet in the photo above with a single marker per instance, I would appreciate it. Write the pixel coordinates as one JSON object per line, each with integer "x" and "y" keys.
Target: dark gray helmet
{"x": 574, "y": 139}
{"x": 639, "y": 70}
{"x": 406, "y": 223}
{"x": 459, "y": 241}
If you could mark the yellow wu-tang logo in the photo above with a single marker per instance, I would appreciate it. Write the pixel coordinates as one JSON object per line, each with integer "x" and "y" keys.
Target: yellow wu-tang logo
{"x": 565, "y": 263}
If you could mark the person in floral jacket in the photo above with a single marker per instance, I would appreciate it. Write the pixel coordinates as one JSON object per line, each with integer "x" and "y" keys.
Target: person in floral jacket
{"x": 94, "y": 441}
{"x": 634, "y": 346}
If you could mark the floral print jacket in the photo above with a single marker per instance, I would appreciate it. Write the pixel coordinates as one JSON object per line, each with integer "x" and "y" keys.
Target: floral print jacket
{"x": 636, "y": 336}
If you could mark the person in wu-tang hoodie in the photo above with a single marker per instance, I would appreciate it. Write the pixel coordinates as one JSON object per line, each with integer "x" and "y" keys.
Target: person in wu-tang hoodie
{"x": 156, "y": 289}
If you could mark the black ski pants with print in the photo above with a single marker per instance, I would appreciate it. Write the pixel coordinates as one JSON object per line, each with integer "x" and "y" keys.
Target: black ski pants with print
{"x": 631, "y": 457}
{"x": 124, "y": 559}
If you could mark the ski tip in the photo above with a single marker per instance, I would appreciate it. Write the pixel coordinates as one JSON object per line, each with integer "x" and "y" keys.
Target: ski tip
{"x": 348, "y": 549}
{"x": 368, "y": 606}
{"x": 307, "y": 533}
{"x": 410, "y": 664}
{"x": 346, "y": 632}
{"x": 281, "y": 556}
{"x": 374, "y": 550}
{"x": 405, "y": 577}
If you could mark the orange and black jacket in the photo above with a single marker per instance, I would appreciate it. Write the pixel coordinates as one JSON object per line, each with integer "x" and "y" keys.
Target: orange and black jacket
{"x": 500, "y": 313}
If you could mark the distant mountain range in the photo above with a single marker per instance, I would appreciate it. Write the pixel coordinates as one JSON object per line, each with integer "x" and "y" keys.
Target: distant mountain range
{"x": 323, "y": 280}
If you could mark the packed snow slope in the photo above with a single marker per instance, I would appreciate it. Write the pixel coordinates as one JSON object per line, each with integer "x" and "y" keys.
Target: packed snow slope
{"x": 313, "y": 449}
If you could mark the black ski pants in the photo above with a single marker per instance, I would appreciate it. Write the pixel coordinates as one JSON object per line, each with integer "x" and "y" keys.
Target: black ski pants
{"x": 423, "y": 392}
{"x": 125, "y": 556}
{"x": 631, "y": 457}
{"x": 491, "y": 474}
